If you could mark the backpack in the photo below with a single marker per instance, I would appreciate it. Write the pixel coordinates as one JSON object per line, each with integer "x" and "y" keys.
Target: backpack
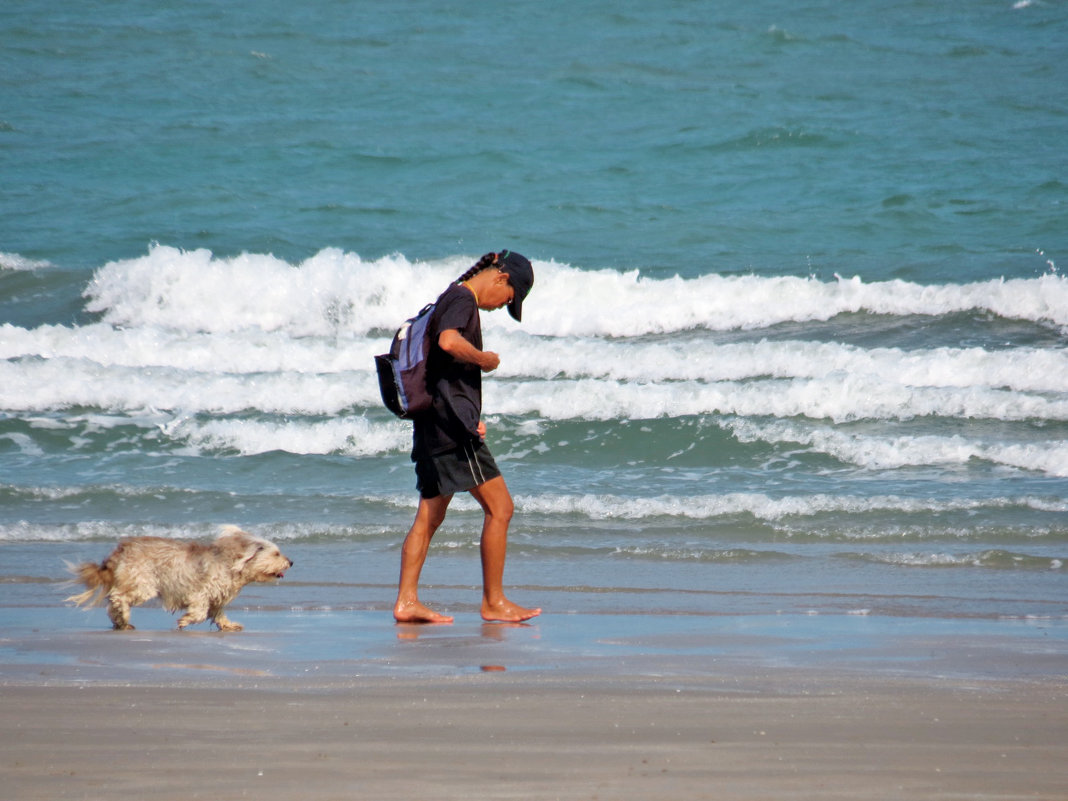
{"x": 402, "y": 371}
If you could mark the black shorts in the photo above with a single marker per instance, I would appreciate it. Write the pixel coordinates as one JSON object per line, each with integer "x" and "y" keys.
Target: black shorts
{"x": 461, "y": 470}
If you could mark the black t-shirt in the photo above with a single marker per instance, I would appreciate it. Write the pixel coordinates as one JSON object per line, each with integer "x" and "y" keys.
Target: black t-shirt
{"x": 455, "y": 386}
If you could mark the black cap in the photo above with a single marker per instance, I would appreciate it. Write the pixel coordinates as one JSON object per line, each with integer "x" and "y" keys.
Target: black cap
{"x": 520, "y": 276}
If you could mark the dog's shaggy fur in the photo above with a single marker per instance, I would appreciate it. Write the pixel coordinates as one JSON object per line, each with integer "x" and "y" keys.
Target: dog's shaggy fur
{"x": 201, "y": 579}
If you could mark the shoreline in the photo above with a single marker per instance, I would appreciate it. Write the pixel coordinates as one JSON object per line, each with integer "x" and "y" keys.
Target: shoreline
{"x": 61, "y": 645}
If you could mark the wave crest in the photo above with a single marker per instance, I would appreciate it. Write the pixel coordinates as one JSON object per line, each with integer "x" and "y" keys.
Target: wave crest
{"x": 336, "y": 292}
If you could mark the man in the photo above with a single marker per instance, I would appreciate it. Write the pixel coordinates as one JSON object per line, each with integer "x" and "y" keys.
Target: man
{"x": 449, "y": 448}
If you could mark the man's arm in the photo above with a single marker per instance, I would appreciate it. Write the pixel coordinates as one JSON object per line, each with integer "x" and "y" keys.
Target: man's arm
{"x": 460, "y": 349}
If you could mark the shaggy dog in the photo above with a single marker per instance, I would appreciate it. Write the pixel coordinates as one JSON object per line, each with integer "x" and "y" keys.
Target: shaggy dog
{"x": 201, "y": 579}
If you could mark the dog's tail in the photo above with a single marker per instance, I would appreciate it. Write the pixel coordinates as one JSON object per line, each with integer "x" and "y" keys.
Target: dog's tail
{"x": 97, "y": 578}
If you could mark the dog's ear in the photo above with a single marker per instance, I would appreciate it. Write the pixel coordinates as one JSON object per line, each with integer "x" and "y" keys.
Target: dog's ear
{"x": 240, "y": 548}
{"x": 248, "y": 553}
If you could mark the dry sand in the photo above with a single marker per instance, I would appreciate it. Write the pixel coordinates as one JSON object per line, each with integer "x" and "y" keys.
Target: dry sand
{"x": 505, "y": 735}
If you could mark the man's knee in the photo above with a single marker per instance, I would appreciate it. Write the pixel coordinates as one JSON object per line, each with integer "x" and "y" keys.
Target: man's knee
{"x": 495, "y": 499}
{"x": 432, "y": 511}
{"x": 500, "y": 506}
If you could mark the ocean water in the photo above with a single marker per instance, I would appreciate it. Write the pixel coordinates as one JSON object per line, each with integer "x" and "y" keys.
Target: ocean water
{"x": 798, "y": 341}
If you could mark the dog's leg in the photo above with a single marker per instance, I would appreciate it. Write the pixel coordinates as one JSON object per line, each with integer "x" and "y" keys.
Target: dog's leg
{"x": 224, "y": 623}
{"x": 119, "y": 612}
{"x": 196, "y": 613}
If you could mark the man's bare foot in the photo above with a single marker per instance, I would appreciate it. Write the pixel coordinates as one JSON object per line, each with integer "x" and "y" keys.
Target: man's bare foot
{"x": 415, "y": 612}
{"x": 507, "y": 612}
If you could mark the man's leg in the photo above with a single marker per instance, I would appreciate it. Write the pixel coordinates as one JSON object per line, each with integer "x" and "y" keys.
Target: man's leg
{"x": 496, "y": 503}
{"x": 428, "y": 517}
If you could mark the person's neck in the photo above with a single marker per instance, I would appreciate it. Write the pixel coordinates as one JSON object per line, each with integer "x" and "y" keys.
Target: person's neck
{"x": 471, "y": 289}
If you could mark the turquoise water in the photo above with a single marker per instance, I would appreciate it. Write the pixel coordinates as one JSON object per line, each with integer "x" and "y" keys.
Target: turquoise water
{"x": 798, "y": 342}
{"x": 896, "y": 139}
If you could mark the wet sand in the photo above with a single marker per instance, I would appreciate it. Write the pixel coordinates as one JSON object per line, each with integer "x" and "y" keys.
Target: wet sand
{"x": 333, "y": 706}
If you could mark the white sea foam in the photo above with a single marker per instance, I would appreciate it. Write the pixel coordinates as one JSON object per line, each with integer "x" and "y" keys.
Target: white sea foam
{"x": 108, "y": 531}
{"x": 184, "y": 337}
{"x": 23, "y": 531}
{"x": 1028, "y": 369}
{"x": 595, "y": 507}
{"x": 989, "y": 558}
{"x": 63, "y": 383}
{"x": 841, "y": 399}
{"x": 249, "y": 351}
{"x": 14, "y": 262}
{"x": 759, "y": 505}
{"x": 882, "y": 452}
{"x": 330, "y": 292}
{"x": 24, "y": 443}
{"x": 352, "y": 436}
{"x": 524, "y": 356}
{"x": 335, "y": 292}
{"x": 360, "y": 436}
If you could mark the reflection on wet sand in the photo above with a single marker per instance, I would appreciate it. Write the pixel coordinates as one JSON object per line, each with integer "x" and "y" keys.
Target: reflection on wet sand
{"x": 491, "y": 632}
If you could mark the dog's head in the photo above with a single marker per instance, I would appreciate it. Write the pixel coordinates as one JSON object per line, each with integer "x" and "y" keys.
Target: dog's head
{"x": 253, "y": 558}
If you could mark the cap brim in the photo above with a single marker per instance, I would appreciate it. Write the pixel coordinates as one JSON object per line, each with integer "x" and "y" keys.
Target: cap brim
{"x": 520, "y": 275}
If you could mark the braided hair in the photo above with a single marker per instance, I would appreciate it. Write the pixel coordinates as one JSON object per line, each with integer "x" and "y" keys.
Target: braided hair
{"x": 484, "y": 263}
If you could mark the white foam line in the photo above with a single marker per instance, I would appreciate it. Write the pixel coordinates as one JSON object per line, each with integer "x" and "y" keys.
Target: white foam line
{"x": 336, "y": 292}
{"x": 523, "y": 356}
